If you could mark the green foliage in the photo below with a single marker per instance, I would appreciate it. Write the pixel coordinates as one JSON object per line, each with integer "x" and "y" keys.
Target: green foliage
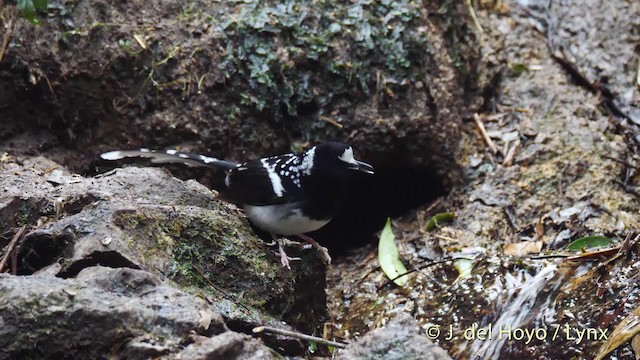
{"x": 286, "y": 49}
{"x": 589, "y": 242}
{"x": 519, "y": 68}
{"x": 29, "y": 9}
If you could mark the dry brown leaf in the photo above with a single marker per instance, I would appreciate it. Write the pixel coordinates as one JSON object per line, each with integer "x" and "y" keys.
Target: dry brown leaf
{"x": 626, "y": 329}
{"x": 205, "y": 319}
{"x": 635, "y": 345}
{"x": 539, "y": 229}
{"x": 523, "y": 248}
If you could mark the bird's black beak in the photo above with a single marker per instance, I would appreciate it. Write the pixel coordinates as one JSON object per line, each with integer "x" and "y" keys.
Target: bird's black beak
{"x": 361, "y": 167}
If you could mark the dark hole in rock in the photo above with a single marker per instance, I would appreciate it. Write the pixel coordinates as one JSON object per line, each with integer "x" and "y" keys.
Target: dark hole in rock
{"x": 111, "y": 259}
{"x": 41, "y": 250}
{"x": 18, "y": 212}
{"x": 391, "y": 192}
{"x": 77, "y": 203}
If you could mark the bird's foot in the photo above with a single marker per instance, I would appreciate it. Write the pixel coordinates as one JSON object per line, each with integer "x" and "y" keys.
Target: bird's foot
{"x": 323, "y": 250}
{"x": 284, "y": 258}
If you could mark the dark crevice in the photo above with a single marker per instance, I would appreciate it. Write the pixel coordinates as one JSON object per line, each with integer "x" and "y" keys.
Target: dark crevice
{"x": 20, "y": 211}
{"x": 391, "y": 192}
{"x": 41, "y": 249}
{"x": 77, "y": 203}
{"x": 111, "y": 259}
{"x": 491, "y": 93}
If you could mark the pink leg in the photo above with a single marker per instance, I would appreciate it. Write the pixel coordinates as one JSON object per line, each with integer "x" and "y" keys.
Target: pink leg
{"x": 322, "y": 249}
{"x": 284, "y": 258}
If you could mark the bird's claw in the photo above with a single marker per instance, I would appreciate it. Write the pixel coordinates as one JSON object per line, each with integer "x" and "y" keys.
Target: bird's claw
{"x": 284, "y": 258}
{"x": 325, "y": 254}
{"x": 323, "y": 250}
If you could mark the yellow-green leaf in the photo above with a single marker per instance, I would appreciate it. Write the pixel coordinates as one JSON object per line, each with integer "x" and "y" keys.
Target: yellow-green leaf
{"x": 438, "y": 218}
{"x": 464, "y": 267}
{"x": 389, "y": 258}
{"x": 589, "y": 242}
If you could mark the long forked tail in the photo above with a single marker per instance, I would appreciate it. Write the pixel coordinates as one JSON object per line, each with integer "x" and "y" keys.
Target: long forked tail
{"x": 171, "y": 156}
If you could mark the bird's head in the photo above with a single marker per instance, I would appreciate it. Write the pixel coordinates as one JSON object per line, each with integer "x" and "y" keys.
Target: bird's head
{"x": 336, "y": 160}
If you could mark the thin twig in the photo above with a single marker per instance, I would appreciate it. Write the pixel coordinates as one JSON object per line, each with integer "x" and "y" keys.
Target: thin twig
{"x": 472, "y": 11}
{"x": 620, "y": 161}
{"x": 11, "y": 247}
{"x": 549, "y": 256}
{"x": 484, "y": 133}
{"x": 608, "y": 98}
{"x": 7, "y": 35}
{"x": 628, "y": 188}
{"x": 432, "y": 206}
{"x": 14, "y": 262}
{"x": 140, "y": 41}
{"x": 447, "y": 238}
{"x": 331, "y": 121}
{"x": 508, "y": 159}
{"x": 297, "y": 335}
{"x": 511, "y": 217}
{"x": 416, "y": 269}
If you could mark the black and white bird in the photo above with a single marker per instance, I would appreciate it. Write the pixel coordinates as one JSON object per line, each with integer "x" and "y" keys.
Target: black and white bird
{"x": 289, "y": 194}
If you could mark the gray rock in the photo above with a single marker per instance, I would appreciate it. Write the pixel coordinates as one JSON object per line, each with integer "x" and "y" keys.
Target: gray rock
{"x": 95, "y": 314}
{"x": 108, "y": 259}
{"x": 229, "y": 345}
{"x": 400, "y": 339}
{"x": 144, "y": 218}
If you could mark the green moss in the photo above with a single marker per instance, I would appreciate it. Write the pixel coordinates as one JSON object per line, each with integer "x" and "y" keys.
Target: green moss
{"x": 208, "y": 251}
{"x": 455, "y": 38}
{"x": 284, "y": 50}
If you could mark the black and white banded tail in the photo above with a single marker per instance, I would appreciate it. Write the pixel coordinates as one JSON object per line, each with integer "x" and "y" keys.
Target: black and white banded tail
{"x": 171, "y": 156}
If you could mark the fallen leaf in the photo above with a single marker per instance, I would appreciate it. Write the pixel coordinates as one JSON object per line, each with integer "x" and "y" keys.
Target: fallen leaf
{"x": 438, "y": 218}
{"x": 389, "y": 258}
{"x": 626, "y": 329}
{"x": 589, "y": 242}
{"x": 464, "y": 267}
{"x": 523, "y": 248}
{"x": 205, "y": 319}
{"x": 635, "y": 345}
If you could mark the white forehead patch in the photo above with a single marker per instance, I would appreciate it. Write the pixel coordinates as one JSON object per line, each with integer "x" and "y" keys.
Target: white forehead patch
{"x": 347, "y": 156}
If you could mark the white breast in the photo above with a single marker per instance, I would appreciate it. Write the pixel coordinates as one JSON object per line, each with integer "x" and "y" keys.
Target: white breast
{"x": 285, "y": 219}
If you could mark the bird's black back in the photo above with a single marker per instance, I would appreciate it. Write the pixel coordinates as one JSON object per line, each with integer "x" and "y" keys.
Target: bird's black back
{"x": 252, "y": 183}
